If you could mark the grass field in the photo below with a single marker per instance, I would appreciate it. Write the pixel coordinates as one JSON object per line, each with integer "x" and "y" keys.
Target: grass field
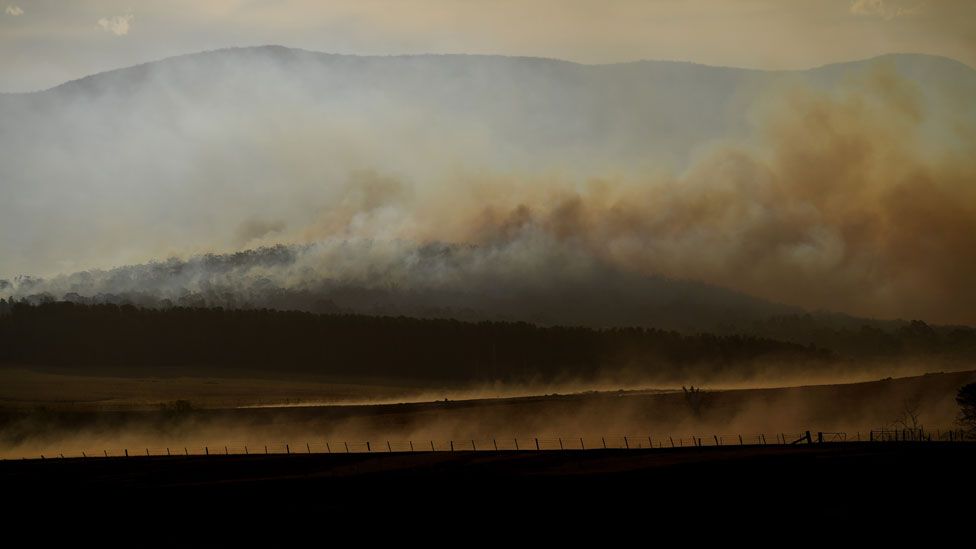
{"x": 21, "y": 387}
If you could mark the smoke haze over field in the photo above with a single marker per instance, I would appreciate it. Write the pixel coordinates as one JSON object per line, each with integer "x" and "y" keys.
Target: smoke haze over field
{"x": 847, "y": 188}
{"x": 840, "y": 408}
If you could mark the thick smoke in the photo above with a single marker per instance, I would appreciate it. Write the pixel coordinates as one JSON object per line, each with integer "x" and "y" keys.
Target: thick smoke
{"x": 847, "y": 188}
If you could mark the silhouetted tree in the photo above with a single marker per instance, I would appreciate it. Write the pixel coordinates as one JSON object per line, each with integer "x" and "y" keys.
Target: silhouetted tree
{"x": 695, "y": 397}
{"x": 909, "y": 417}
{"x": 966, "y": 398}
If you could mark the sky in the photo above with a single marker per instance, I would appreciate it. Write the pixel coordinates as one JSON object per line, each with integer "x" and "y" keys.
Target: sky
{"x": 46, "y": 42}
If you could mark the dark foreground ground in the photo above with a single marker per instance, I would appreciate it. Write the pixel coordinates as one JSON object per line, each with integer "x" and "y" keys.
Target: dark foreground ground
{"x": 221, "y": 498}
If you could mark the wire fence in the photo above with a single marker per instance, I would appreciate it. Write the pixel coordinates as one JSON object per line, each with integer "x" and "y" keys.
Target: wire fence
{"x": 519, "y": 444}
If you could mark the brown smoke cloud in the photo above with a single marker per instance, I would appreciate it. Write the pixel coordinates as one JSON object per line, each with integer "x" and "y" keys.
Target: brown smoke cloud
{"x": 843, "y": 205}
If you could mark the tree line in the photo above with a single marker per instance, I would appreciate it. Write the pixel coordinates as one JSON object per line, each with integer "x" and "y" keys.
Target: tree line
{"x": 235, "y": 341}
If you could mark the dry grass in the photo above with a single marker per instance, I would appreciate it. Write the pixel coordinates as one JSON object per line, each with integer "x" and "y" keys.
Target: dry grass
{"x": 24, "y": 388}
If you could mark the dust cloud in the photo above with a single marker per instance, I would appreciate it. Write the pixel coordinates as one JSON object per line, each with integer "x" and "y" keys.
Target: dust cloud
{"x": 852, "y": 409}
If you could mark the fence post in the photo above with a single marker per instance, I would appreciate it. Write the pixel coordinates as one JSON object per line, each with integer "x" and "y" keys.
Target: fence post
{"x": 308, "y": 448}
{"x": 265, "y": 448}
{"x": 432, "y": 446}
{"x": 495, "y": 443}
{"x": 650, "y": 443}
{"x": 167, "y": 452}
{"x": 560, "y": 443}
{"x": 516, "y": 443}
{"x": 717, "y": 443}
{"x": 537, "y": 443}
{"x": 147, "y": 451}
{"x": 604, "y": 439}
{"x": 626, "y": 444}
{"x": 411, "y": 446}
{"x": 820, "y": 437}
{"x": 347, "y": 447}
{"x": 287, "y": 449}
{"x": 473, "y": 447}
{"x": 809, "y": 438}
{"x": 245, "y": 450}
{"x": 327, "y": 447}
{"x": 126, "y": 452}
{"x": 368, "y": 448}
{"x": 106, "y": 452}
{"x": 740, "y": 440}
{"x": 388, "y": 447}
{"x": 452, "y": 445}
{"x": 582, "y": 446}
{"x": 185, "y": 451}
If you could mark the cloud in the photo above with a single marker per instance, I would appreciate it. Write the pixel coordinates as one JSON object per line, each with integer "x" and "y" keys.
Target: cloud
{"x": 881, "y": 8}
{"x": 117, "y": 24}
{"x": 14, "y": 10}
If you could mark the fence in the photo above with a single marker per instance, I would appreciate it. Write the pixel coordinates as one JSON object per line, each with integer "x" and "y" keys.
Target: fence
{"x": 582, "y": 443}
{"x": 918, "y": 435}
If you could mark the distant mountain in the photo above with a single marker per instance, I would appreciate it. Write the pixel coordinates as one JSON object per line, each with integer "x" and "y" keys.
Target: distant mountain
{"x": 625, "y": 115}
{"x": 240, "y": 148}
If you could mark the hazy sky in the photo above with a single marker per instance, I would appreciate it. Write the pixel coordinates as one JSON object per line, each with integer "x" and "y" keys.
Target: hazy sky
{"x": 46, "y": 42}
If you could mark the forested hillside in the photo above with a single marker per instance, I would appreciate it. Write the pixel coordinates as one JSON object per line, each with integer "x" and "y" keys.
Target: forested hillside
{"x": 148, "y": 341}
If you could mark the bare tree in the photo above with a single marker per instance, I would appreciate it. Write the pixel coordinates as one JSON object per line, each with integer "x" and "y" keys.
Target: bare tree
{"x": 909, "y": 417}
{"x": 695, "y": 397}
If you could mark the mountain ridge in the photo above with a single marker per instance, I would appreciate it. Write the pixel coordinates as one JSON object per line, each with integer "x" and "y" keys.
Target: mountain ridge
{"x": 659, "y": 62}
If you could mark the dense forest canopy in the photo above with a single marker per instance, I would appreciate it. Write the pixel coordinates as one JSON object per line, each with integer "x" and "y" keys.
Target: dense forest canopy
{"x": 273, "y": 342}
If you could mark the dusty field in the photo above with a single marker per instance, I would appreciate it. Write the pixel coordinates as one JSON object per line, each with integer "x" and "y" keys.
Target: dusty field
{"x": 21, "y": 387}
{"x": 849, "y": 408}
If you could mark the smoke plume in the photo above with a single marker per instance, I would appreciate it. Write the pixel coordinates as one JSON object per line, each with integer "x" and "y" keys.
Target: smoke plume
{"x": 849, "y": 188}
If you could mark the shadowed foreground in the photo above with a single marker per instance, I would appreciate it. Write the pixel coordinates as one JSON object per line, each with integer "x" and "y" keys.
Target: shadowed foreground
{"x": 846, "y": 482}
